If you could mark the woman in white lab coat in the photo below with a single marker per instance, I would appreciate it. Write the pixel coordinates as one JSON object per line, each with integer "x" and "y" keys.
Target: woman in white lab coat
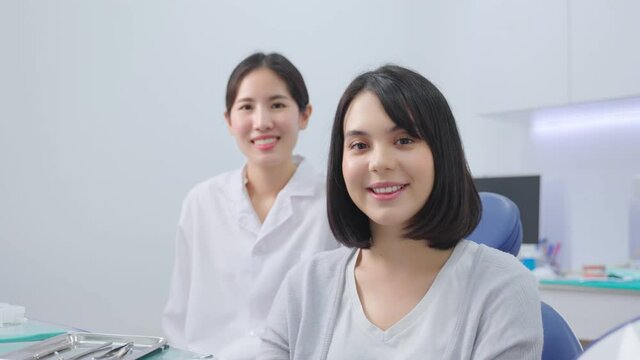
{"x": 240, "y": 232}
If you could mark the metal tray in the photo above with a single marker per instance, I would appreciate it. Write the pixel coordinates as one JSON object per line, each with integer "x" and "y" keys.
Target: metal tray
{"x": 76, "y": 343}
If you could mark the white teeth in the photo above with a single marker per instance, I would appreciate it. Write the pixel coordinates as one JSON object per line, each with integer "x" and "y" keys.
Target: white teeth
{"x": 264, "y": 141}
{"x": 387, "y": 190}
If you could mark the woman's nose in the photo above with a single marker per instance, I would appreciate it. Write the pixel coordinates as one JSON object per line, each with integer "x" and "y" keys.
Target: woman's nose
{"x": 262, "y": 119}
{"x": 381, "y": 159}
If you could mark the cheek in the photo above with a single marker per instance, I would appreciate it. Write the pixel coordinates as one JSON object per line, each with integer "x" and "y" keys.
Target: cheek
{"x": 293, "y": 128}
{"x": 291, "y": 123}
{"x": 352, "y": 171}
{"x": 240, "y": 126}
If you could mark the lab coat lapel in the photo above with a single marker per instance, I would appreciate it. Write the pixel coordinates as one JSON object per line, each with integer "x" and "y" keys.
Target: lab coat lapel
{"x": 242, "y": 208}
{"x": 280, "y": 212}
{"x": 302, "y": 183}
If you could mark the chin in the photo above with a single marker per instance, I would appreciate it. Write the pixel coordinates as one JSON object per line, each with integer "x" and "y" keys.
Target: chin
{"x": 389, "y": 220}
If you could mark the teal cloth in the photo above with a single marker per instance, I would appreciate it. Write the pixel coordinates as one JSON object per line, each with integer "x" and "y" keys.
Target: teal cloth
{"x": 632, "y": 285}
{"x": 30, "y": 330}
{"x": 174, "y": 354}
{"x": 8, "y": 347}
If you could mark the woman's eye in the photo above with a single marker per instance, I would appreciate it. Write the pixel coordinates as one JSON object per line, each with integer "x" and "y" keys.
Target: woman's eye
{"x": 358, "y": 146}
{"x": 405, "y": 141}
{"x": 278, "y": 106}
{"x": 244, "y": 107}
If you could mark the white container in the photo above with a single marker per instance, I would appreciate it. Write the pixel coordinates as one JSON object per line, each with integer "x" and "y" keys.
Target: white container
{"x": 11, "y": 314}
{"x": 634, "y": 225}
{"x": 530, "y": 256}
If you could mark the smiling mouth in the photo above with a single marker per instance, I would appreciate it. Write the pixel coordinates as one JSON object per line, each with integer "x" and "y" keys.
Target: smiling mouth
{"x": 265, "y": 141}
{"x": 386, "y": 190}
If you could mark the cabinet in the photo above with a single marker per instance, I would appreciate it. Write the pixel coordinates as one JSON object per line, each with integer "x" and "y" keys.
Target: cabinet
{"x": 532, "y": 54}
{"x": 520, "y": 54}
{"x": 591, "y": 312}
{"x": 604, "y": 56}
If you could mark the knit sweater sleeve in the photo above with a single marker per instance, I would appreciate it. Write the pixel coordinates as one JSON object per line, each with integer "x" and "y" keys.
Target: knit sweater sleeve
{"x": 510, "y": 326}
{"x": 276, "y": 337}
{"x": 301, "y": 316}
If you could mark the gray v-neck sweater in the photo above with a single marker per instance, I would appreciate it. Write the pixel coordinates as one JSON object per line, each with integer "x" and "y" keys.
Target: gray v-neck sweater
{"x": 497, "y": 309}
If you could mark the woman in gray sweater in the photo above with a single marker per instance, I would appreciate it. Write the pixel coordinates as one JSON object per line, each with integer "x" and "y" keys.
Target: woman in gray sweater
{"x": 407, "y": 285}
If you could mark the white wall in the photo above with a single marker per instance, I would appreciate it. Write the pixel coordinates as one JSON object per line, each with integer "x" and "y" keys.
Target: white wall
{"x": 588, "y": 155}
{"x": 111, "y": 111}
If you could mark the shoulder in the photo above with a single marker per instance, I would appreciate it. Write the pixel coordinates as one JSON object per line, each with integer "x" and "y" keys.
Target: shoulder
{"x": 312, "y": 285}
{"x": 494, "y": 272}
{"x": 498, "y": 279}
{"x": 502, "y": 298}
{"x": 212, "y": 185}
{"x": 495, "y": 262}
{"x": 324, "y": 264}
{"x": 308, "y": 179}
{"x": 211, "y": 194}
{"x": 321, "y": 268}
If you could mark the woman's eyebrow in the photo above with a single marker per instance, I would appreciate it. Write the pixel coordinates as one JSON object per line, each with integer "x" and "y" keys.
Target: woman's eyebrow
{"x": 278, "y": 97}
{"x": 355, "y": 133}
{"x": 271, "y": 98}
{"x": 394, "y": 129}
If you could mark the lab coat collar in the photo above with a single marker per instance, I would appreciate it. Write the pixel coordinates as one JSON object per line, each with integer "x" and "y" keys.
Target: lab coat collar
{"x": 306, "y": 181}
{"x": 303, "y": 182}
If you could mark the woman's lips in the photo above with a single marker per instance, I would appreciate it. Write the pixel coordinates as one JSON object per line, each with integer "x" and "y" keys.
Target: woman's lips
{"x": 386, "y": 191}
{"x": 265, "y": 143}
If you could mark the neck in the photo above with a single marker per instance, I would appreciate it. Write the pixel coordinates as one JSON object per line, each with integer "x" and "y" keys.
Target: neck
{"x": 390, "y": 249}
{"x": 268, "y": 181}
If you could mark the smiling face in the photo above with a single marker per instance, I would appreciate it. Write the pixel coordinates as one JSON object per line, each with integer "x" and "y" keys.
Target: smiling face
{"x": 389, "y": 175}
{"x": 265, "y": 119}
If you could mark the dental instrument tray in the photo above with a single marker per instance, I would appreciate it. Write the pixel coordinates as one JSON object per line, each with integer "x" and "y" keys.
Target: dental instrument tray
{"x": 86, "y": 346}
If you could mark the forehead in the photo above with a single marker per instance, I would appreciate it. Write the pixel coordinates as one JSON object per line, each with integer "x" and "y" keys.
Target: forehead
{"x": 261, "y": 81}
{"x": 366, "y": 113}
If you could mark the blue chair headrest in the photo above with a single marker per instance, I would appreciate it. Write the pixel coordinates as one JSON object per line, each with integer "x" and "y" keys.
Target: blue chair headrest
{"x": 500, "y": 226}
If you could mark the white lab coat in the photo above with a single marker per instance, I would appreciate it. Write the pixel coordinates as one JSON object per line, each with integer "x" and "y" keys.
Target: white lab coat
{"x": 228, "y": 266}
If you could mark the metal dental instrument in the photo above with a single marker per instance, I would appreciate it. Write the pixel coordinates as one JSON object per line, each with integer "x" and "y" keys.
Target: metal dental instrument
{"x": 116, "y": 352}
{"x": 64, "y": 346}
{"x": 89, "y": 351}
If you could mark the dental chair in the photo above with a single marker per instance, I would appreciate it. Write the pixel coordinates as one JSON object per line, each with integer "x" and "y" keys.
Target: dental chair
{"x": 500, "y": 227}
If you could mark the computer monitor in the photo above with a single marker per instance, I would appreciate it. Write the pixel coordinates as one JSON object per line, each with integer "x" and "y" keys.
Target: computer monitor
{"x": 525, "y": 192}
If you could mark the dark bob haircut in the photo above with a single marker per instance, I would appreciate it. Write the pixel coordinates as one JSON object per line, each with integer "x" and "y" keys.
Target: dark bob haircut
{"x": 276, "y": 63}
{"x": 414, "y": 104}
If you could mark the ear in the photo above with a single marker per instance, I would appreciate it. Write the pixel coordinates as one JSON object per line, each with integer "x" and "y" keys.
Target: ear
{"x": 227, "y": 119}
{"x": 304, "y": 117}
